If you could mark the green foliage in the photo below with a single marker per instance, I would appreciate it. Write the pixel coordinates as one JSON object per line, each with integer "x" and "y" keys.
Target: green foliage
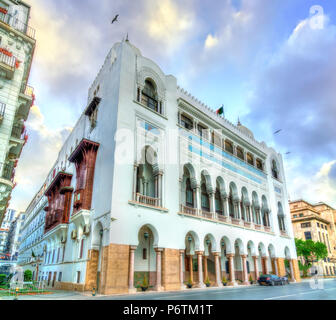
{"x": 190, "y": 283}
{"x": 224, "y": 280}
{"x": 309, "y": 251}
{"x": 28, "y": 276}
{"x": 145, "y": 282}
{"x": 3, "y": 279}
{"x": 250, "y": 279}
{"x": 207, "y": 281}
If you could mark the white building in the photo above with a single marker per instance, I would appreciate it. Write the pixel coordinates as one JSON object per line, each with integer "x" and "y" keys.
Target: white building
{"x": 14, "y": 236}
{"x": 31, "y": 250}
{"x": 151, "y": 181}
{"x": 17, "y": 45}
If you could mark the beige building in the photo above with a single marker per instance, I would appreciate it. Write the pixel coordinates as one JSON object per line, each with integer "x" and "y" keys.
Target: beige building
{"x": 316, "y": 222}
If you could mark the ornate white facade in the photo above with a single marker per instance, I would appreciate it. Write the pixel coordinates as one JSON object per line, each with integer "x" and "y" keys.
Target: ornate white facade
{"x": 151, "y": 181}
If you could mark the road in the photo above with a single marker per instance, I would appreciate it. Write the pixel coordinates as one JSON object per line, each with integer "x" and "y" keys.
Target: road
{"x": 298, "y": 291}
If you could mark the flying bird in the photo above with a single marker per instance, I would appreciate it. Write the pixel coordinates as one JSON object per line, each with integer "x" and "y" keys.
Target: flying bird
{"x": 288, "y": 153}
{"x": 277, "y": 131}
{"x": 115, "y": 19}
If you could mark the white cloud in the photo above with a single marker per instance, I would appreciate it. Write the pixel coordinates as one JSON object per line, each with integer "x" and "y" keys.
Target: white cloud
{"x": 211, "y": 41}
{"x": 38, "y": 157}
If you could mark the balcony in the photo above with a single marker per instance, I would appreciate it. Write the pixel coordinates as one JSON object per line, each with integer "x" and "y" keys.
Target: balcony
{"x": 18, "y": 132}
{"x": 149, "y": 201}
{"x": 2, "y": 111}
{"x": 189, "y": 210}
{"x": 283, "y": 233}
{"x": 218, "y": 217}
{"x": 16, "y": 24}
{"x": 6, "y": 171}
{"x": 26, "y": 100}
{"x": 7, "y": 65}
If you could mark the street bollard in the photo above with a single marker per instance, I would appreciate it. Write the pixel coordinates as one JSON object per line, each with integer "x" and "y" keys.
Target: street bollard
{"x": 16, "y": 294}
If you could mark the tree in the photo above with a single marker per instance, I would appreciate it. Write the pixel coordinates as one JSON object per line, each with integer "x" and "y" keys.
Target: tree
{"x": 28, "y": 276}
{"x": 3, "y": 279}
{"x": 310, "y": 252}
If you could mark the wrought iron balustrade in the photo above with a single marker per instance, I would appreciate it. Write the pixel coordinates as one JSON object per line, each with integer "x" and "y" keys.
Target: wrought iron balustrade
{"x": 10, "y": 61}
{"x": 6, "y": 171}
{"x": 18, "y": 25}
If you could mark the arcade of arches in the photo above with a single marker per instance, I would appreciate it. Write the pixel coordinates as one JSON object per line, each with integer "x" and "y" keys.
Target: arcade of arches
{"x": 122, "y": 268}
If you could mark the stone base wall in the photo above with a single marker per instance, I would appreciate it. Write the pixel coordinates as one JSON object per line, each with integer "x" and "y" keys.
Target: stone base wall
{"x": 115, "y": 266}
{"x": 69, "y": 286}
{"x": 296, "y": 270}
{"x": 281, "y": 267}
{"x": 171, "y": 269}
{"x": 91, "y": 270}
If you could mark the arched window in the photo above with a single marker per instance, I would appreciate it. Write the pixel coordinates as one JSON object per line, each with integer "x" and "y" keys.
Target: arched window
{"x": 231, "y": 208}
{"x": 149, "y": 96}
{"x": 205, "y": 198}
{"x": 281, "y": 218}
{"x": 275, "y": 171}
{"x": 229, "y": 146}
{"x": 189, "y": 194}
{"x": 218, "y": 202}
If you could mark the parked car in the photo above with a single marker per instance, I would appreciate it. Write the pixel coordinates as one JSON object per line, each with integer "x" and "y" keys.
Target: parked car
{"x": 270, "y": 280}
{"x": 285, "y": 280}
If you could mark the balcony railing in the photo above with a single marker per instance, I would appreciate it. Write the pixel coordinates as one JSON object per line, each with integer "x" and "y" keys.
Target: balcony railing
{"x": 10, "y": 61}
{"x": 6, "y": 171}
{"x": 17, "y": 24}
{"x": 147, "y": 200}
{"x": 27, "y": 90}
{"x": 18, "y": 131}
{"x": 189, "y": 210}
{"x": 207, "y": 214}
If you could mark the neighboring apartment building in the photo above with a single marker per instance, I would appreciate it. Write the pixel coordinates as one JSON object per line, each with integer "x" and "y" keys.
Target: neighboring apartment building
{"x": 17, "y": 45}
{"x": 9, "y": 217}
{"x": 186, "y": 188}
{"x": 3, "y": 241}
{"x": 14, "y": 236}
{"x": 316, "y": 222}
{"x": 31, "y": 248}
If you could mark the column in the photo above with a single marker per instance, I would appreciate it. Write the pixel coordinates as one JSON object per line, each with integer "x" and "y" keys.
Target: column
{"x": 135, "y": 175}
{"x": 160, "y": 187}
{"x": 256, "y": 267}
{"x": 198, "y": 196}
{"x": 200, "y": 271}
{"x": 212, "y": 205}
{"x": 225, "y": 204}
{"x": 181, "y": 270}
{"x": 131, "y": 288}
{"x": 248, "y": 213}
{"x": 232, "y": 281}
{"x": 191, "y": 269}
{"x": 218, "y": 270}
{"x": 205, "y": 262}
{"x": 265, "y": 263}
{"x": 276, "y": 267}
{"x": 158, "y": 286}
{"x": 292, "y": 270}
{"x": 156, "y": 191}
{"x": 245, "y": 276}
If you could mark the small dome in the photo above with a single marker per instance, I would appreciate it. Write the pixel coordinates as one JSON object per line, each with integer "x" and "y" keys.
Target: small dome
{"x": 245, "y": 130}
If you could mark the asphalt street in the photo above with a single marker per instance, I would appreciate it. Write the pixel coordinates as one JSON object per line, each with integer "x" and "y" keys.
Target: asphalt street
{"x": 325, "y": 290}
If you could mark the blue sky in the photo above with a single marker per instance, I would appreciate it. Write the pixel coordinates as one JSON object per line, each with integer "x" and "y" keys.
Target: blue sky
{"x": 262, "y": 59}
